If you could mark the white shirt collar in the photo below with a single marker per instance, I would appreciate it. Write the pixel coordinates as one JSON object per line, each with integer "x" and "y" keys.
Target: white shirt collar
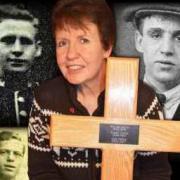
{"x": 2, "y": 83}
{"x": 172, "y": 99}
{"x": 172, "y": 96}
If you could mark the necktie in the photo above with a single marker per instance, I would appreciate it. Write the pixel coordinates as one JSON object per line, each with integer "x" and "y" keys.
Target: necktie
{"x": 161, "y": 98}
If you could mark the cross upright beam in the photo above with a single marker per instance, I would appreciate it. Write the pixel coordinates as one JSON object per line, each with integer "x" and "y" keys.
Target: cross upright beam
{"x": 120, "y": 102}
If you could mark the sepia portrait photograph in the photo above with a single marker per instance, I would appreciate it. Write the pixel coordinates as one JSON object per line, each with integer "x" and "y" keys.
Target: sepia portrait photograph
{"x": 13, "y": 154}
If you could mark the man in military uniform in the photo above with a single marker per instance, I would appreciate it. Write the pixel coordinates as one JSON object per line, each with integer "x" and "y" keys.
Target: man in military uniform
{"x": 19, "y": 47}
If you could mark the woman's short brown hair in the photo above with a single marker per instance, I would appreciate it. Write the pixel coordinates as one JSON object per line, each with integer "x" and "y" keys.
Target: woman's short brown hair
{"x": 77, "y": 12}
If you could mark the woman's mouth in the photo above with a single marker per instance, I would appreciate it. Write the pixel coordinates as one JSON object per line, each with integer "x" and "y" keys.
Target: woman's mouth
{"x": 75, "y": 67}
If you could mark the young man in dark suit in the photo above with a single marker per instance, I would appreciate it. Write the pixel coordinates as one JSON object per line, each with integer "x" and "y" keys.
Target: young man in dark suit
{"x": 157, "y": 38}
{"x": 19, "y": 48}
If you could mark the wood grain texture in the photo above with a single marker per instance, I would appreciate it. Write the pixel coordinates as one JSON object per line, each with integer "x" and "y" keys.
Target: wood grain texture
{"x": 121, "y": 87}
{"x": 121, "y": 167}
{"x": 83, "y": 131}
{"x": 120, "y": 101}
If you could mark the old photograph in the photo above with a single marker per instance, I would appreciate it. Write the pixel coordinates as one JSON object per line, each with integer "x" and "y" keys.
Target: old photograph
{"x": 27, "y": 58}
{"x": 13, "y": 154}
{"x": 151, "y": 31}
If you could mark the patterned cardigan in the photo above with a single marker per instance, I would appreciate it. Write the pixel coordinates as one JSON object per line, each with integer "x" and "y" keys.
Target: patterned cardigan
{"x": 67, "y": 163}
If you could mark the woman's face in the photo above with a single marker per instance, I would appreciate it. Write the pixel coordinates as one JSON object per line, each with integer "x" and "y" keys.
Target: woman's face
{"x": 80, "y": 54}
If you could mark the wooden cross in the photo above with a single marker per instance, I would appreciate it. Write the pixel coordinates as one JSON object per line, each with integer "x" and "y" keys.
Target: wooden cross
{"x": 119, "y": 134}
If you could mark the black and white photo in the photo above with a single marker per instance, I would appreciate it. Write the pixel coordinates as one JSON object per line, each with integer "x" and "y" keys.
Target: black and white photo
{"x": 153, "y": 30}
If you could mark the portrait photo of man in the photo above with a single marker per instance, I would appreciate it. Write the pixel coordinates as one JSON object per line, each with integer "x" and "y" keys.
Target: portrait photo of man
{"x": 155, "y": 32}
{"x": 12, "y": 154}
{"x": 19, "y": 46}
{"x": 22, "y": 64}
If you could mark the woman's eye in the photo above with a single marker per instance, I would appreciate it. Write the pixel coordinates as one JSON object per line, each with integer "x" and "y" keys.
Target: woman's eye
{"x": 84, "y": 40}
{"x": 61, "y": 44}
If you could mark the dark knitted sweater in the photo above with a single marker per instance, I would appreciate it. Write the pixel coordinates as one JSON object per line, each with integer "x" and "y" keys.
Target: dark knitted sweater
{"x": 58, "y": 96}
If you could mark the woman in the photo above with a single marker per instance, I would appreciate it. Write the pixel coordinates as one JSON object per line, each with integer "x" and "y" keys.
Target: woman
{"x": 84, "y": 36}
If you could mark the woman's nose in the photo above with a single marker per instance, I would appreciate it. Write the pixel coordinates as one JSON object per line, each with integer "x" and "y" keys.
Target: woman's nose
{"x": 72, "y": 51}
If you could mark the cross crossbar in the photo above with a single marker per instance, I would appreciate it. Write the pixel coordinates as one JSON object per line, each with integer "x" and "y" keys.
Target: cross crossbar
{"x": 83, "y": 131}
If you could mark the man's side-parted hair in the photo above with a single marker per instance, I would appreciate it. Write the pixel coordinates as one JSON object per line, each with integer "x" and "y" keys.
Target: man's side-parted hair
{"x": 77, "y": 13}
{"x": 8, "y": 135}
{"x": 11, "y": 11}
